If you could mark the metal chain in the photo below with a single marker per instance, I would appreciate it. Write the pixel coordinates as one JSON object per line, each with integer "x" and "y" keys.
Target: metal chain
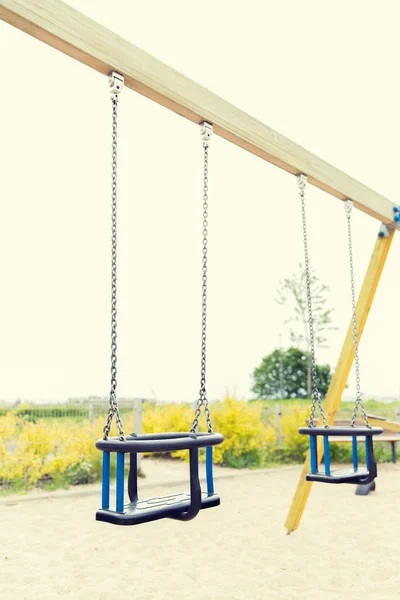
{"x": 206, "y": 131}
{"x": 316, "y": 398}
{"x": 113, "y": 410}
{"x": 348, "y": 205}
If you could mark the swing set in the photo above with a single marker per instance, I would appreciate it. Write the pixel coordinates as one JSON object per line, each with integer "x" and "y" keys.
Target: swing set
{"x": 71, "y": 32}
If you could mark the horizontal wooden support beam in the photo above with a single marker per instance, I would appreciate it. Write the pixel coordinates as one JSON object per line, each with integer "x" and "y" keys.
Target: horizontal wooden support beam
{"x": 73, "y": 33}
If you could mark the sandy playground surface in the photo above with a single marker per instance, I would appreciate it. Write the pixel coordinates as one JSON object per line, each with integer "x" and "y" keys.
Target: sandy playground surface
{"x": 346, "y": 546}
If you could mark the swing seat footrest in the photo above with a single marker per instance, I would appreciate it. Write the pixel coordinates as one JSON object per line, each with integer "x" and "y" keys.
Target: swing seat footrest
{"x": 361, "y": 476}
{"x": 152, "y": 509}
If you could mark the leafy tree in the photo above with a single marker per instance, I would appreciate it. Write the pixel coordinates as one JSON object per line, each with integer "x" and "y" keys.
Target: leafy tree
{"x": 285, "y": 374}
{"x": 292, "y": 293}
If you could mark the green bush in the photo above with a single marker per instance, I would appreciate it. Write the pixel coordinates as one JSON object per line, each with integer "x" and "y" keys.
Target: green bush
{"x": 84, "y": 472}
{"x": 342, "y": 453}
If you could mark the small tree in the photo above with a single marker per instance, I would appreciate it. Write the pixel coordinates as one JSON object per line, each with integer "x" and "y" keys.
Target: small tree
{"x": 292, "y": 383}
{"x": 292, "y": 293}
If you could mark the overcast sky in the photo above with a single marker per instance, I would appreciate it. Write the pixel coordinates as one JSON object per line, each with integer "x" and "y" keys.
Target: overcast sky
{"x": 324, "y": 74}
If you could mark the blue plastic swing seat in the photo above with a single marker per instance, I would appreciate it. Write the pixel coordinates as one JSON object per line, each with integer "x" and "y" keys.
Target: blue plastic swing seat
{"x": 180, "y": 506}
{"x": 355, "y": 475}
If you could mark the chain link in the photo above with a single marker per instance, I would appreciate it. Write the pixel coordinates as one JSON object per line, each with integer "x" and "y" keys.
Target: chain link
{"x": 316, "y": 398}
{"x": 348, "y": 205}
{"x": 113, "y": 409}
{"x": 203, "y": 401}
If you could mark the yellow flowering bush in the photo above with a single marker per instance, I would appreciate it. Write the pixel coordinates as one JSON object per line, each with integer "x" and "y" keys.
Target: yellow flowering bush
{"x": 240, "y": 423}
{"x": 31, "y": 452}
{"x": 9, "y": 463}
{"x": 246, "y": 440}
{"x": 167, "y": 417}
{"x": 61, "y": 451}
{"x": 294, "y": 446}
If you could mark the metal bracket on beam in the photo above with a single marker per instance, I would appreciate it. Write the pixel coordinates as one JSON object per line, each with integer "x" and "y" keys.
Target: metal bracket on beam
{"x": 116, "y": 83}
{"x": 384, "y": 231}
{"x": 206, "y": 131}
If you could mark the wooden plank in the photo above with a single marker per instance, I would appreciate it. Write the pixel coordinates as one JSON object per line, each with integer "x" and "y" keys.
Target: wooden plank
{"x": 339, "y": 379}
{"x": 385, "y": 424}
{"x": 69, "y": 31}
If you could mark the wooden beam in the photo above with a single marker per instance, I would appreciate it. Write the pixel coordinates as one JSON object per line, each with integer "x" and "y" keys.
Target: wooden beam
{"x": 339, "y": 379}
{"x": 74, "y": 34}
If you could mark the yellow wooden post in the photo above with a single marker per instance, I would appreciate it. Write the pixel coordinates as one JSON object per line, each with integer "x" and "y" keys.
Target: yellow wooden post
{"x": 342, "y": 371}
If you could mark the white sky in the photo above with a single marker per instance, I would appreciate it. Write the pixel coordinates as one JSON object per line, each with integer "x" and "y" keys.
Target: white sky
{"x": 325, "y": 74}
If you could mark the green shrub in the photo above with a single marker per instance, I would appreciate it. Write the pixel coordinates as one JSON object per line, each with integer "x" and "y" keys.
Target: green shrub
{"x": 84, "y": 472}
{"x": 342, "y": 453}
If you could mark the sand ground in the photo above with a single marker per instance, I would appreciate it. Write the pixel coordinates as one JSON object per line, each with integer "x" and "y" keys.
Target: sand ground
{"x": 346, "y": 546}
